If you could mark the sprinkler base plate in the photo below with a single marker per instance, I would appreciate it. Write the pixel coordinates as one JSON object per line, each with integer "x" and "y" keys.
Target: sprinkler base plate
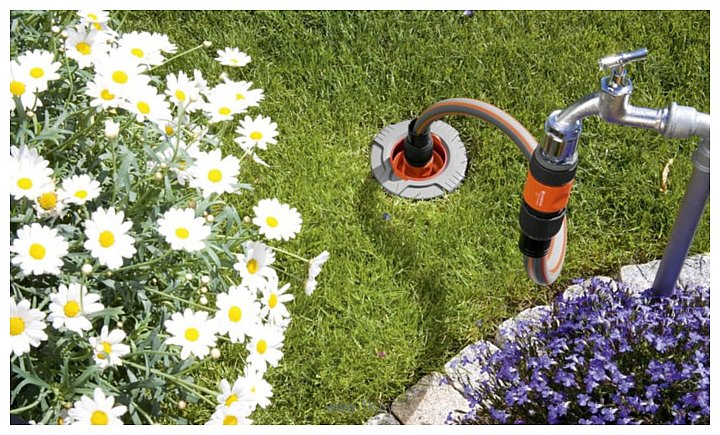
{"x": 436, "y": 179}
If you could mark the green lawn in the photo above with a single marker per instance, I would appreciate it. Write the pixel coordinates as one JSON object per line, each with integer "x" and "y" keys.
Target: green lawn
{"x": 414, "y": 287}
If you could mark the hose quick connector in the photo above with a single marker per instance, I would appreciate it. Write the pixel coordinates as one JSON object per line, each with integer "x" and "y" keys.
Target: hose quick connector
{"x": 545, "y": 197}
{"x": 418, "y": 146}
{"x": 560, "y": 139}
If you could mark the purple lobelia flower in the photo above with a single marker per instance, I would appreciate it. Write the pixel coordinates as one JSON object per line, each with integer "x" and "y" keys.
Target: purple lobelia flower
{"x": 605, "y": 356}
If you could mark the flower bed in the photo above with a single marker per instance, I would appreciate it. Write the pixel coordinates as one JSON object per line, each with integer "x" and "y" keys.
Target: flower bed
{"x": 604, "y": 356}
{"x": 124, "y": 236}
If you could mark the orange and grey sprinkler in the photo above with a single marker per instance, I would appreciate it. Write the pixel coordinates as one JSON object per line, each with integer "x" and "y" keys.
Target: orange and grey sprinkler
{"x": 429, "y": 160}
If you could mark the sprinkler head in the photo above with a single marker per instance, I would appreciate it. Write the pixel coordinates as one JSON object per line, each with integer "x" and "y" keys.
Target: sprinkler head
{"x": 418, "y": 167}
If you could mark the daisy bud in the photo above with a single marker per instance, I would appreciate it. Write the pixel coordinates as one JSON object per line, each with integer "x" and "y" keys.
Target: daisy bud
{"x": 154, "y": 280}
{"x": 203, "y": 300}
{"x": 119, "y": 325}
{"x": 30, "y": 114}
{"x": 86, "y": 269}
{"x": 188, "y": 276}
{"x": 247, "y": 219}
{"x": 108, "y": 273}
{"x": 205, "y": 213}
{"x": 210, "y": 218}
{"x": 68, "y": 405}
{"x": 158, "y": 175}
{"x": 215, "y": 353}
{"x": 55, "y": 29}
{"x": 203, "y": 290}
{"x": 112, "y": 129}
{"x": 64, "y": 34}
{"x": 205, "y": 279}
{"x": 182, "y": 404}
{"x": 192, "y": 204}
{"x": 207, "y": 44}
{"x": 163, "y": 165}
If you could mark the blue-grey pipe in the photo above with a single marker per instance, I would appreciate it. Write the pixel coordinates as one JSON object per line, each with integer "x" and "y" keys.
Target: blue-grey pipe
{"x": 686, "y": 223}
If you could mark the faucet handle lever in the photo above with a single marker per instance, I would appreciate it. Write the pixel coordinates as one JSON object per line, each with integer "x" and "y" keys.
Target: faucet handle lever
{"x": 619, "y": 60}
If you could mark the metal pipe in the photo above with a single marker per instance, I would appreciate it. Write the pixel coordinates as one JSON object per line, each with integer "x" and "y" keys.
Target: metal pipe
{"x": 587, "y": 106}
{"x": 686, "y": 223}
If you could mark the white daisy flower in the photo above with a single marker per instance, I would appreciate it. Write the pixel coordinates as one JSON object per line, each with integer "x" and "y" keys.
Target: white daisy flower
{"x": 85, "y": 45}
{"x": 39, "y": 249}
{"x": 214, "y": 174}
{"x": 182, "y": 230}
{"x": 70, "y": 305}
{"x": 232, "y": 396}
{"x": 315, "y": 266}
{"x": 221, "y": 106}
{"x": 41, "y": 68}
{"x": 258, "y": 132}
{"x": 245, "y": 96}
{"x": 100, "y": 91}
{"x": 254, "y": 265}
{"x": 30, "y": 176}
{"x": 79, "y": 189}
{"x": 144, "y": 46}
{"x": 109, "y": 347}
{"x": 107, "y": 238}
{"x": 49, "y": 203}
{"x": 264, "y": 346}
{"x": 26, "y": 327}
{"x": 112, "y": 129}
{"x": 181, "y": 160}
{"x": 183, "y": 92}
{"x": 21, "y": 87}
{"x": 121, "y": 72}
{"x": 162, "y": 42}
{"x": 95, "y": 18}
{"x": 274, "y": 300}
{"x": 276, "y": 221}
{"x": 99, "y": 410}
{"x": 259, "y": 391}
{"x": 194, "y": 332}
{"x": 145, "y": 102}
{"x": 238, "y": 313}
{"x": 232, "y": 56}
{"x": 233, "y": 415}
{"x": 200, "y": 82}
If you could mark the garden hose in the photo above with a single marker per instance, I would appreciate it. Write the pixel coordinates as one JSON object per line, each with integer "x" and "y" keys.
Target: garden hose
{"x": 547, "y": 187}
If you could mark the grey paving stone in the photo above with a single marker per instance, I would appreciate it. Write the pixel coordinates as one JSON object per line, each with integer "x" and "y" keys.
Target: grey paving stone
{"x": 383, "y": 419}
{"x": 428, "y": 402}
{"x": 530, "y": 317}
{"x": 573, "y": 292}
{"x": 464, "y": 368}
{"x": 640, "y": 277}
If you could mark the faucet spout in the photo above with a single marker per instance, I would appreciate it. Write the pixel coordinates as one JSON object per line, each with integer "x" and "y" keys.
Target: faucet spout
{"x": 587, "y": 106}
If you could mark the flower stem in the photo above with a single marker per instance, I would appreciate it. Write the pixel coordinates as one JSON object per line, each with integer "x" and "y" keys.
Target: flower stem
{"x": 144, "y": 263}
{"x": 289, "y": 253}
{"x": 187, "y": 385}
{"x": 197, "y": 47}
{"x": 176, "y": 298}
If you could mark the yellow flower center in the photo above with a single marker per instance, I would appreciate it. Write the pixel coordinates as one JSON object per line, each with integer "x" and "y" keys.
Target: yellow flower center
{"x": 107, "y": 348}
{"x": 99, "y": 418}
{"x": 37, "y": 251}
{"x": 25, "y": 183}
{"x": 71, "y": 308}
{"x": 143, "y": 107}
{"x": 17, "y": 326}
{"x": 97, "y": 26}
{"x": 180, "y": 95}
{"x": 215, "y": 175}
{"x": 252, "y": 266}
{"x": 83, "y": 48}
{"x": 253, "y": 389}
{"x": 272, "y": 300}
{"x": 234, "y": 314}
{"x": 169, "y": 130}
{"x": 17, "y": 88}
{"x": 261, "y": 347}
{"x": 82, "y": 194}
{"x": 256, "y": 135}
{"x": 48, "y": 200}
{"x": 60, "y": 421}
{"x": 106, "y": 95}
{"x": 231, "y": 399}
{"x": 137, "y": 52}
{"x": 182, "y": 233}
{"x": 120, "y": 77}
{"x": 92, "y": 17}
{"x": 37, "y": 72}
{"x": 230, "y": 420}
{"x": 271, "y": 221}
{"x": 234, "y": 61}
{"x": 106, "y": 239}
{"x": 192, "y": 334}
{"x": 224, "y": 111}
{"x": 239, "y": 96}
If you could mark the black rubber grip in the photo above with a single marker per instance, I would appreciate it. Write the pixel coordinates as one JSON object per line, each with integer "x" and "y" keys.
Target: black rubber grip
{"x": 549, "y": 173}
{"x": 539, "y": 226}
{"x": 418, "y": 149}
{"x": 533, "y": 248}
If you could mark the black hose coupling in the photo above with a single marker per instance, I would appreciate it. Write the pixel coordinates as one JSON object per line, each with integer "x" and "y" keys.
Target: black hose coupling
{"x": 545, "y": 197}
{"x": 418, "y": 147}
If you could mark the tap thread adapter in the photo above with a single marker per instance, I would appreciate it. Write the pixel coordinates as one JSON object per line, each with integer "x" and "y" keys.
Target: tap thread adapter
{"x": 418, "y": 147}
